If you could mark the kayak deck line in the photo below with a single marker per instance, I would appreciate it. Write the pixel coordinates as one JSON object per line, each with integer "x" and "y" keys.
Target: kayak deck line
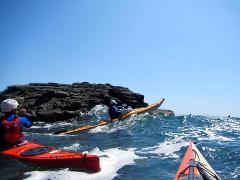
{"x": 105, "y": 122}
{"x": 195, "y": 166}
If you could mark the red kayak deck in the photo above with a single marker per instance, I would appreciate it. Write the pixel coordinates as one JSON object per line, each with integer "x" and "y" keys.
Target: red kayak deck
{"x": 52, "y": 158}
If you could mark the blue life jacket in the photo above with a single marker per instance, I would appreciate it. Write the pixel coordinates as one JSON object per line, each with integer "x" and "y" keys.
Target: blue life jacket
{"x": 114, "y": 112}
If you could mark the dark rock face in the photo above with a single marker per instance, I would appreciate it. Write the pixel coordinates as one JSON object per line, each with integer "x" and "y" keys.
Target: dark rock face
{"x": 51, "y": 102}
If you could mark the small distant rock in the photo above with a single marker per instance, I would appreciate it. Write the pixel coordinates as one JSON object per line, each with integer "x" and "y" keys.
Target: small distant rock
{"x": 164, "y": 112}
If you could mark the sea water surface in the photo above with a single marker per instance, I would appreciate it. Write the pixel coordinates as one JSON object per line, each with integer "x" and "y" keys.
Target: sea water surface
{"x": 145, "y": 146}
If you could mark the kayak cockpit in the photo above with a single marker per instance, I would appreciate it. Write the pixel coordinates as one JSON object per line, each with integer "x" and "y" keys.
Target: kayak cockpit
{"x": 197, "y": 171}
{"x": 195, "y": 167}
{"x": 36, "y": 151}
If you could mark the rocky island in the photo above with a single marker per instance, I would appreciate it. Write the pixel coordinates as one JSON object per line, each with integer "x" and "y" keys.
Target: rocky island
{"x": 51, "y": 102}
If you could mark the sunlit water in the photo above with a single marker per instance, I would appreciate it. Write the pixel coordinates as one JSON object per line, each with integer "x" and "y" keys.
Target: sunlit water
{"x": 143, "y": 146}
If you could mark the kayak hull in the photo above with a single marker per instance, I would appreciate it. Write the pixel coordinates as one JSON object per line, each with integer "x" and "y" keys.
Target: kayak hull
{"x": 194, "y": 154}
{"x": 54, "y": 158}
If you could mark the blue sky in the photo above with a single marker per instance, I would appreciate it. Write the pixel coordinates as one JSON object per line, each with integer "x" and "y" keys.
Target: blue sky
{"x": 186, "y": 51}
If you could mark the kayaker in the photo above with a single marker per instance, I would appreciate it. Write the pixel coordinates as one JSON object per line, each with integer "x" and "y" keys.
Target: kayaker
{"x": 12, "y": 122}
{"x": 116, "y": 111}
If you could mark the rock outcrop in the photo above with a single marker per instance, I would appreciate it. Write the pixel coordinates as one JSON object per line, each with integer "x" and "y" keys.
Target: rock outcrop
{"x": 164, "y": 112}
{"x": 51, "y": 102}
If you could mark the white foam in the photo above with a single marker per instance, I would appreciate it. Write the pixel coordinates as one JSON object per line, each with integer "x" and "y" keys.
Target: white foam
{"x": 114, "y": 126}
{"x": 48, "y": 126}
{"x": 213, "y": 136}
{"x": 168, "y": 148}
{"x": 228, "y": 126}
{"x": 208, "y": 149}
{"x": 98, "y": 108}
{"x": 73, "y": 147}
{"x": 95, "y": 111}
{"x": 236, "y": 172}
{"x": 105, "y": 129}
{"x": 111, "y": 161}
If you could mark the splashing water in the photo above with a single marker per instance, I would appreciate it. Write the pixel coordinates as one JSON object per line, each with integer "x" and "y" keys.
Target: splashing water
{"x": 143, "y": 146}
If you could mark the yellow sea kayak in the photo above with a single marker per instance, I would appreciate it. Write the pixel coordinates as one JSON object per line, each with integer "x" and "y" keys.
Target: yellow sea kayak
{"x": 104, "y": 122}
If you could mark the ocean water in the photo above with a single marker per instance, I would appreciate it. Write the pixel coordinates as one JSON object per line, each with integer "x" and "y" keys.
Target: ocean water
{"x": 145, "y": 146}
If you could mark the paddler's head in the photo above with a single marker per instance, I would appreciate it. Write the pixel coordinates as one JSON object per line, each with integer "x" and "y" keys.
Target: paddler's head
{"x": 9, "y": 106}
{"x": 113, "y": 102}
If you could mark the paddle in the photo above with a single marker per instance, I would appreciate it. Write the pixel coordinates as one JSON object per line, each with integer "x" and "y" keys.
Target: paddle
{"x": 60, "y": 131}
{"x": 87, "y": 127}
{"x": 83, "y": 128}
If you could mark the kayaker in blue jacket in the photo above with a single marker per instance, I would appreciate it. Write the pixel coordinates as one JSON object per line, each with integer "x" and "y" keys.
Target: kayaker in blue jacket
{"x": 116, "y": 111}
{"x": 12, "y": 122}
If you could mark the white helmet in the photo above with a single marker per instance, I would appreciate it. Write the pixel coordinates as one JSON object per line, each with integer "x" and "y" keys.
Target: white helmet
{"x": 113, "y": 102}
{"x": 8, "y": 105}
